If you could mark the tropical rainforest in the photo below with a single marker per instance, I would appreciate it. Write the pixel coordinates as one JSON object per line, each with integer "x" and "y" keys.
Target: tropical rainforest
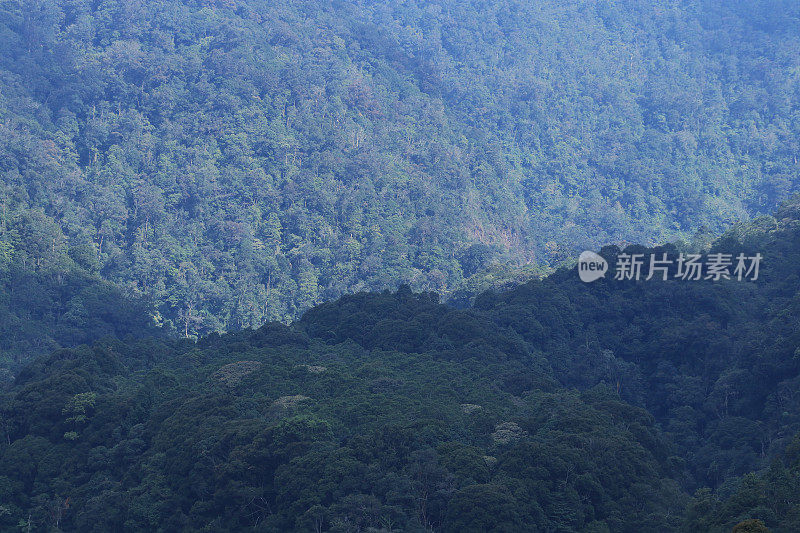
{"x": 555, "y": 406}
{"x": 309, "y": 266}
{"x": 238, "y": 161}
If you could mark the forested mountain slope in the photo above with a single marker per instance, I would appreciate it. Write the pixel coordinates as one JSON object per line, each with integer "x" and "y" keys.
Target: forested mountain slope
{"x": 557, "y": 406}
{"x": 717, "y": 363}
{"x": 239, "y": 161}
{"x": 278, "y": 430}
{"x": 49, "y": 299}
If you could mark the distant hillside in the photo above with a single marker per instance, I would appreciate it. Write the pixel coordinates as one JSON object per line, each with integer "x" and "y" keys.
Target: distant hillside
{"x": 48, "y": 300}
{"x": 240, "y": 161}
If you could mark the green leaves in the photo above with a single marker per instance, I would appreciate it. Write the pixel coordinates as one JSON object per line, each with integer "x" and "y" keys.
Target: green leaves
{"x": 78, "y": 409}
{"x": 78, "y": 406}
{"x": 6, "y": 255}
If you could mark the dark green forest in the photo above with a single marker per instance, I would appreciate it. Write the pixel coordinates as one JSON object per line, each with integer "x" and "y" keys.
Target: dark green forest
{"x": 309, "y": 266}
{"x": 239, "y": 161}
{"x": 617, "y": 406}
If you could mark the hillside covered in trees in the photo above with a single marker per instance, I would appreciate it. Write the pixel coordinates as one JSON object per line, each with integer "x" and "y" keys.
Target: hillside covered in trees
{"x": 616, "y": 406}
{"x": 245, "y": 247}
{"x": 239, "y": 161}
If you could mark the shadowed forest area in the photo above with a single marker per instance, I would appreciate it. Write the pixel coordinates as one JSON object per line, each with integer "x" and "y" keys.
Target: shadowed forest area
{"x": 310, "y": 266}
{"x": 556, "y": 406}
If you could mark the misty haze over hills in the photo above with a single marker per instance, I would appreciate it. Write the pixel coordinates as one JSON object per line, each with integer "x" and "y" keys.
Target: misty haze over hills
{"x": 309, "y": 266}
{"x": 238, "y": 162}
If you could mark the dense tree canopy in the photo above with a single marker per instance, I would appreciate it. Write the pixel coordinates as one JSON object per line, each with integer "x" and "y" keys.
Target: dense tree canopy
{"x": 207, "y": 208}
{"x": 556, "y": 406}
{"x": 240, "y": 161}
